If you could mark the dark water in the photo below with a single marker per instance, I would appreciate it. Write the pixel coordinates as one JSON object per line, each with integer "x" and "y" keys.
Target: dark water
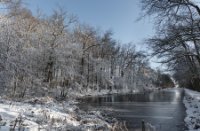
{"x": 163, "y": 109}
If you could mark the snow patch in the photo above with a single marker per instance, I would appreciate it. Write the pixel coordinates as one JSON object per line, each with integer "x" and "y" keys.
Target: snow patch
{"x": 34, "y": 115}
{"x": 192, "y": 104}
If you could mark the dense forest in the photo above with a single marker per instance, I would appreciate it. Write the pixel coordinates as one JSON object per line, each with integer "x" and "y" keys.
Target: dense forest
{"x": 57, "y": 55}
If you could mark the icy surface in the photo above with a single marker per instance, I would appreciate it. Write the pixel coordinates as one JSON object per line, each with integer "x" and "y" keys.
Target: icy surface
{"x": 192, "y": 104}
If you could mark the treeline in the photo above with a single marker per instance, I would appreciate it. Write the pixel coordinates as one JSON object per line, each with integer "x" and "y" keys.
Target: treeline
{"x": 177, "y": 41}
{"x": 42, "y": 55}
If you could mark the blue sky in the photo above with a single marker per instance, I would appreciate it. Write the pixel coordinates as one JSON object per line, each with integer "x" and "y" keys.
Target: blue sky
{"x": 118, "y": 15}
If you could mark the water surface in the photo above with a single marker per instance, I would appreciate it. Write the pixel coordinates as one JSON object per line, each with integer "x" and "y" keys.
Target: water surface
{"x": 163, "y": 109}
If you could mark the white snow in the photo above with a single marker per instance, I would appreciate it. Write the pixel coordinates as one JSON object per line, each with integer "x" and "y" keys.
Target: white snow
{"x": 192, "y": 104}
{"x": 46, "y": 113}
{"x": 51, "y": 115}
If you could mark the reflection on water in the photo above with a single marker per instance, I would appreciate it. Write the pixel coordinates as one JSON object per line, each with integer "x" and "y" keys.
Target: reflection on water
{"x": 162, "y": 96}
{"x": 177, "y": 95}
{"x": 164, "y": 109}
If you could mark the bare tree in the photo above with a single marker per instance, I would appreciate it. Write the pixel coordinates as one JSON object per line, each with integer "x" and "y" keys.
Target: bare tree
{"x": 177, "y": 37}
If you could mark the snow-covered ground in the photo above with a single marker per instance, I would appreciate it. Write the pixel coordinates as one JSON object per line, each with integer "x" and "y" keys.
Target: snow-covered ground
{"x": 45, "y": 114}
{"x": 192, "y": 104}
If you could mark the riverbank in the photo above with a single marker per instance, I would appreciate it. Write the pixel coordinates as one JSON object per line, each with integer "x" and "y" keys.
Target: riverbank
{"x": 94, "y": 93}
{"x": 192, "y": 104}
{"x": 47, "y": 114}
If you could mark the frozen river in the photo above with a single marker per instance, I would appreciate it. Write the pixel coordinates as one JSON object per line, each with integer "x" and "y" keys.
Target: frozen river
{"x": 163, "y": 109}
